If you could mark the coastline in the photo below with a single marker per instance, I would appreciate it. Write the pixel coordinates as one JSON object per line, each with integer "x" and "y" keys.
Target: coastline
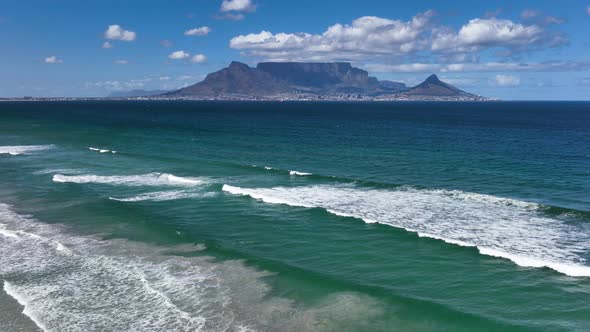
{"x": 254, "y": 99}
{"x": 12, "y": 316}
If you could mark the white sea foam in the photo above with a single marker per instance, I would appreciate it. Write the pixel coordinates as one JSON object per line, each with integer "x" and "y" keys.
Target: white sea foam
{"x": 22, "y": 235}
{"x": 8, "y": 233}
{"x": 299, "y": 173}
{"x": 16, "y": 150}
{"x": 161, "y": 196}
{"x": 10, "y": 290}
{"x": 101, "y": 150}
{"x": 119, "y": 285}
{"x": 293, "y": 173}
{"x": 500, "y": 227}
{"x": 68, "y": 171}
{"x": 151, "y": 179}
{"x": 573, "y": 270}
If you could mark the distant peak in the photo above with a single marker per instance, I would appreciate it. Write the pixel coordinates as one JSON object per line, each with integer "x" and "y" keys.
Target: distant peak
{"x": 432, "y": 79}
{"x": 237, "y": 64}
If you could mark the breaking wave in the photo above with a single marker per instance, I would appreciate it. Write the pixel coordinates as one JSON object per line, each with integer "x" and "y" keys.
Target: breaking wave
{"x": 16, "y": 150}
{"x": 151, "y": 179}
{"x": 162, "y": 196}
{"x": 499, "y": 227}
{"x": 299, "y": 173}
{"x": 101, "y": 150}
{"x": 91, "y": 284}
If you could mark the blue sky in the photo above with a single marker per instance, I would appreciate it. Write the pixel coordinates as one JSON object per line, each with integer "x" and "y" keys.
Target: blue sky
{"x": 505, "y": 49}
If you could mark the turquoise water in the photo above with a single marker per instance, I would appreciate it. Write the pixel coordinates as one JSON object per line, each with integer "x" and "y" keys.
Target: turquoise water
{"x": 160, "y": 216}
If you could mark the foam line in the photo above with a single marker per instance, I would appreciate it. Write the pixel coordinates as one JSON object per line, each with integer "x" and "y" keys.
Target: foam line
{"x": 162, "y": 196}
{"x": 16, "y": 150}
{"x": 11, "y": 291}
{"x": 497, "y": 226}
{"x": 120, "y": 285}
{"x": 151, "y": 179}
{"x": 299, "y": 173}
{"x": 101, "y": 150}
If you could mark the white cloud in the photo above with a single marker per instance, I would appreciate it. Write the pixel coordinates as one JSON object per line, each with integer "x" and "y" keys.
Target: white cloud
{"x": 372, "y": 38}
{"x": 505, "y": 81}
{"x": 553, "y": 20}
{"x": 116, "y": 32}
{"x": 549, "y": 66}
{"x": 404, "y": 68}
{"x": 179, "y": 55}
{"x": 237, "y": 5}
{"x": 535, "y": 16}
{"x": 121, "y": 62}
{"x": 119, "y": 85}
{"x": 376, "y": 39}
{"x": 490, "y": 31}
{"x": 484, "y": 33}
{"x": 107, "y": 44}
{"x": 365, "y": 37}
{"x": 529, "y": 13}
{"x": 588, "y": 10}
{"x": 152, "y": 82}
{"x": 230, "y": 16}
{"x": 199, "y": 58}
{"x": 53, "y": 59}
{"x": 202, "y": 31}
{"x": 461, "y": 81}
{"x": 182, "y": 55}
{"x": 185, "y": 78}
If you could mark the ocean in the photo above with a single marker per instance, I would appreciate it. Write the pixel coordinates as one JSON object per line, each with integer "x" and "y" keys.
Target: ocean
{"x": 227, "y": 216}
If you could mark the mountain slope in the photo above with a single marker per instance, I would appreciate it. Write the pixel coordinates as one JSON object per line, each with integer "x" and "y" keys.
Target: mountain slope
{"x": 237, "y": 79}
{"x": 432, "y": 86}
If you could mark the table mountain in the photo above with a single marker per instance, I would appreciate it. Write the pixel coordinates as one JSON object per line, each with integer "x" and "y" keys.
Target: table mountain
{"x": 273, "y": 78}
{"x": 310, "y": 81}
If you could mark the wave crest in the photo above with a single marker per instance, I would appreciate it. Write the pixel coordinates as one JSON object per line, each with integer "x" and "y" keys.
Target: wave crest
{"x": 151, "y": 179}
{"x": 15, "y": 150}
{"x": 162, "y": 196}
{"x": 500, "y": 227}
{"x": 299, "y": 173}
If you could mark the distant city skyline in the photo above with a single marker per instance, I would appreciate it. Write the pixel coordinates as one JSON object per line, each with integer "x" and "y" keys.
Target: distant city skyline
{"x": 534, "y": 50}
